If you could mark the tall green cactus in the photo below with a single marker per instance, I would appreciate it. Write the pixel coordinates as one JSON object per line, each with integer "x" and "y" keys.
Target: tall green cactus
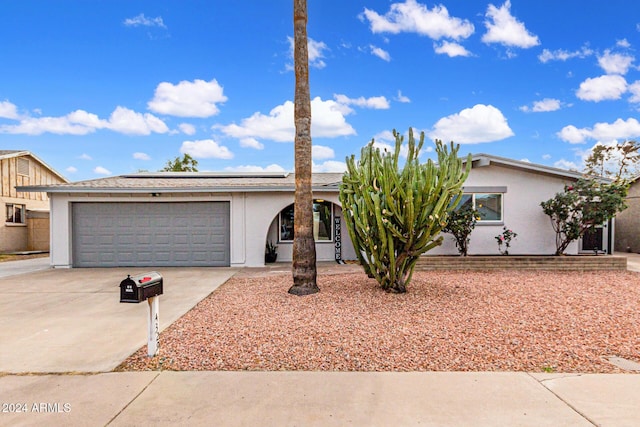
{"x": 394, "y": 215}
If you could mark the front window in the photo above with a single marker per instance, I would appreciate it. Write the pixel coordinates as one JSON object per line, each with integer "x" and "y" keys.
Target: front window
{"x": 15, "y": 214}
{"x": 322, "y": 220}
{"x": 489, "y": 205}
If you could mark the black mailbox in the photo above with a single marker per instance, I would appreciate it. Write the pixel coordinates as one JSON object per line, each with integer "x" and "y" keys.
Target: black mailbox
{"x": 141, "y": 287}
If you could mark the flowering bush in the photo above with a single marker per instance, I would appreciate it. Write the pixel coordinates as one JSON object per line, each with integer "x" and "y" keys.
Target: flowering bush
{"x": 461, "y": 223}
{"x": 505, "y": 239}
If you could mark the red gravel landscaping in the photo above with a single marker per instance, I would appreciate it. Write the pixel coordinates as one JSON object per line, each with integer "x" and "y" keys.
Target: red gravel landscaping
{"x": 448, "y": 321}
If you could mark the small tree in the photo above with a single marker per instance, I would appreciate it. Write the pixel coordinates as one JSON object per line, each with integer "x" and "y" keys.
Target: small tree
{"x": 394, "y": 215}
{"x": 186, "y": 164}
{"x": 581, "y": 207}
{"x": 461, "y": 223}
{"x": 614, "y": 161}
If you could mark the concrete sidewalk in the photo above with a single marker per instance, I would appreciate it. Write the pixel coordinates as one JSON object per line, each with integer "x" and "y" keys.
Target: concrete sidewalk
{"x": 321, "y": 399}
{"x": 633, "y": 260}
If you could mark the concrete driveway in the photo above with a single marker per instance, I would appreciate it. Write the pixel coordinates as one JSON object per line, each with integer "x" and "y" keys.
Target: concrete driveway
{"x": 71, "y": 320}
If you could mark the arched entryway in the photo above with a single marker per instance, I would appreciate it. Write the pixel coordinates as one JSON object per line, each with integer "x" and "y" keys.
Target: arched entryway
{"x": 330, "y": 233}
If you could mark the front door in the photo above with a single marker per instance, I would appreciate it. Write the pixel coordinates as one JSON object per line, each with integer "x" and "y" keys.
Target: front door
{"x": 594, "y": 240}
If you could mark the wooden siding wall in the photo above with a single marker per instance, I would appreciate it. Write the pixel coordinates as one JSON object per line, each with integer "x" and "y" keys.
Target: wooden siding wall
{"x": 38, "y": 175}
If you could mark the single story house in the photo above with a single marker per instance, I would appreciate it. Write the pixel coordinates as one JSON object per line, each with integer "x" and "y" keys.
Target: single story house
{"x": 226, "y": 219}
{"x": 628, "y": 221}
{"x": 26, "y": 214}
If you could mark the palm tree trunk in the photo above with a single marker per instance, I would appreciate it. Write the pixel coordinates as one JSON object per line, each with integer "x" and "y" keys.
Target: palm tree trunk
{"x": 304, "y": 248}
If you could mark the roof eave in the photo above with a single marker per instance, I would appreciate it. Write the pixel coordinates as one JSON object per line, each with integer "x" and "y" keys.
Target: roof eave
{"x": 486, "y": 160}
{"x": 165, "y": 190}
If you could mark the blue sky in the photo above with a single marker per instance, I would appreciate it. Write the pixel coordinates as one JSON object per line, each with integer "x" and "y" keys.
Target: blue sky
{"x": 98, "y": 88}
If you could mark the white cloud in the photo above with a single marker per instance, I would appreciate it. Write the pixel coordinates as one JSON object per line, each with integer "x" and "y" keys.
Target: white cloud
{"x": 566, "y": 164}
{"x": 8, "y": 110}
{"x": 321, "y": 152}
{"x": 250, "y": 168}
{"x": 451, "y": 48}
{"x": 547, "y": 104}
{"x": 624, "y": 43}
{"x": 141, "y": 156}
{"x": 573, "y": 135}
{"x": 101, "y": 171}
{"x": 205, "y": 149}
{"x": 605, "y": 132}
{"x": 607, "y": 87}
{"x": 71, "y": 169}
{"x": 188, "y": 99}
{"x": 315, "y": 50}
{"x": 316, "y": 53}
{"x": 385, "y": 141}
{"x": 413, "y": 17}
{"x": 251, "y": 143}
{"x": 615, "y": 63}
{"x": 481, "y": 123}
{"x": 40, "y": 125}
{"x": 328, "y": 121}
{"x": 375, "y": 102}
{"x": 546, "y": 156}
{"x": 80, "y": 122}
{"x": 634, "y": 89}
{"x": 563, "y": 55}
{"x": 187, "y": 129}
{"x": 380, "y": 53}
{"x": 329, "y": 166}
{"x": 402, "y": 98}
{"x": 143, "y": 21}
{"x": 129, "y": 122}
{"x": 504, "y": 28}
{"x": 85, "y": 156}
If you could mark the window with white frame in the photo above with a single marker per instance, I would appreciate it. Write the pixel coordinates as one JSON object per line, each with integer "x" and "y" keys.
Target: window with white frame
{"x": 15, "y": 214}
{"x": 322, "y": 221}
{"x": 489, "y": 205}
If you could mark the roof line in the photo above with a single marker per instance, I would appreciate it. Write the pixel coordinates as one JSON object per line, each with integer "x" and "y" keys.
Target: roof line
{"x": 19, "y": 153}
{"x": 534, "y": 167}
{"x": 163, "y": 190}
{"x": 211, "y": 174}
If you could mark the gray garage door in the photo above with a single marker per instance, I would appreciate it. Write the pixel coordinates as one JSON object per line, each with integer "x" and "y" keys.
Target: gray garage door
{"x": 150, "y": 234}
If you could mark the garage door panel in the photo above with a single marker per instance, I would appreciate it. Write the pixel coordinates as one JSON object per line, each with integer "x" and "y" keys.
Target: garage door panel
{"x": 151, "y": 234}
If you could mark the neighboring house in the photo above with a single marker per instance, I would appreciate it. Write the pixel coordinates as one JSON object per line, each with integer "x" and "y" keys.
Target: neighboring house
{"x": 628, "y": 221}
{"x": 226, "y": 219}
{"x": 26, "y": 214}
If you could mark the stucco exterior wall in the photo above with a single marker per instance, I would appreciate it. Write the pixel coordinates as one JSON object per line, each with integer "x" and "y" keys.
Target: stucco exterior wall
{"x": 521, "y": 213}
{"x": 325, "y": 251}
{"x": 252, "y": 215}
{"x": 254, "y": 218}
{"x": 627, "y": 229}
{"x": 262, "y": 210}
{"x": 15, "y": 237}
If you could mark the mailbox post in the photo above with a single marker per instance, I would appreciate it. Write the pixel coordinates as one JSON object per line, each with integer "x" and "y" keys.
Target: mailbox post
{"x": 153, "y": 342}
{"x": 147, "y": 287}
